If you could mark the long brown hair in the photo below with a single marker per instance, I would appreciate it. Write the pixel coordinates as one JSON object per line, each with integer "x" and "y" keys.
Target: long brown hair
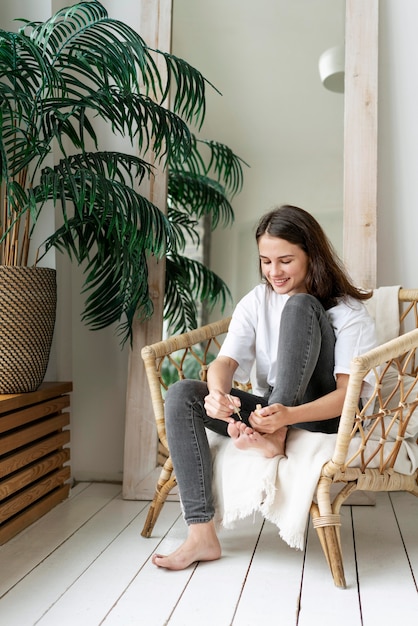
{"x": 326, "y": 278}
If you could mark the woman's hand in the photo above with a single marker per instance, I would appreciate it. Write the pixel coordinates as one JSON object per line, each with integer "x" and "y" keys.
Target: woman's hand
{"x": 270, "y": 418}
{"x": 220, "y": 405}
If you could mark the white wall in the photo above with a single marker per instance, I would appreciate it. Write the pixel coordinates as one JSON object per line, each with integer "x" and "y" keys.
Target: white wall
{"x": 273, "y": 112}
{"x": 398, "y": 144}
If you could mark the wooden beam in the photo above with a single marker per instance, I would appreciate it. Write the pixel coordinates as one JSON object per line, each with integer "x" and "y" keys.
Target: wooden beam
{"x": 141, "y": 440}
{"x": 360, "y": 141}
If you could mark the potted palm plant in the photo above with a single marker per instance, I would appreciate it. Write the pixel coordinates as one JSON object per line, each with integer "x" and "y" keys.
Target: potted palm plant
{"x": 57, "y": 76}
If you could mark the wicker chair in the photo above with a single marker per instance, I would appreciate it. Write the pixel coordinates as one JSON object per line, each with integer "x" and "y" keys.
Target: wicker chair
{"x": 171, "y": 359}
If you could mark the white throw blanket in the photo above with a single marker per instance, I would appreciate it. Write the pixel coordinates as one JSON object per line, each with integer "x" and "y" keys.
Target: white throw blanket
{"x": 282, "y": 488}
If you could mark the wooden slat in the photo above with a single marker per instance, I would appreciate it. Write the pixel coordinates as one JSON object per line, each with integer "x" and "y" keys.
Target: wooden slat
{"x": 25, "y": 519}
{"x": 14, "y": 462}
{"x": 142, "y": 589}
{"x": 360, "y": 141}
{"x": 34, "y": 472}
{"x": 20, "y": 418}
{"x": 76, "y": 592}
{"x": 33, "y": 493}
{"x": 382, "y": 563}
{"x": 30, "y": 434}
{"x": 318, "y": 582}
{"x": 141, "y": 441}
{"x": 32, "y": 458}
{"x": 406, "y": 512}
{"x": 273, "y": 561}
{"x": 11, "y": 402}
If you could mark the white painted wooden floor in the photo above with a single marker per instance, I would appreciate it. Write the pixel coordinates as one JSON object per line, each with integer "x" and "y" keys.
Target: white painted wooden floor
{"x": 85, "y": 564}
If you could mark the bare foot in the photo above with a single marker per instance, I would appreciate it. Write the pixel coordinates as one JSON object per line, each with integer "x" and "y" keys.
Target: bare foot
{"x": 202, "y": 544}
{"x": 236, "y": 429}
{"x": 246, "y": 438}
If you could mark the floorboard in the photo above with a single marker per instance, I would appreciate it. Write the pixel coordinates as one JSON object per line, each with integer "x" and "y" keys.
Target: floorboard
{"x": 387, "y": 588}
{"x": 271, "y": 592}
{"x": 406, "y": 511}
{"x": 153, "y": 593}
{"x": 85, "y": 563}
{"x": 25, "y": 551}
{"x": 45, "y": 585}
{"x": 117, "y": 563}
{"x": 223, "y": 583}
{"x": 321, "y": 600}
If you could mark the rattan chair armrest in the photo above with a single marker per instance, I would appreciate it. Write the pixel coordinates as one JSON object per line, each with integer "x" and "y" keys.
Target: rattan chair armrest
{"x": 359, "y": 368}
{"x": 185, "y": 340}
{"x": 151, "y": 354}
{"x": 408, "y": 295}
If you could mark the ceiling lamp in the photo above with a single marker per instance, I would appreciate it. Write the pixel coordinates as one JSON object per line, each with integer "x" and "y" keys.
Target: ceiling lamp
{"x": 331, "y": 69}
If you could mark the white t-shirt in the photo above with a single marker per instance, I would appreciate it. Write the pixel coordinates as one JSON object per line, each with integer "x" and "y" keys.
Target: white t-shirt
{"x": 253, "y": 335}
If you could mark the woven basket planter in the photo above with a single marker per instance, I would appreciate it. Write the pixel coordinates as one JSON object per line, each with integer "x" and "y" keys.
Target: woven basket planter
{"x": 28, "y": 298}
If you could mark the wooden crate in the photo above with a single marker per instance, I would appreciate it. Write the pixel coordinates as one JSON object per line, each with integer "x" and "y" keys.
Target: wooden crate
{"x": 34, "y": 455}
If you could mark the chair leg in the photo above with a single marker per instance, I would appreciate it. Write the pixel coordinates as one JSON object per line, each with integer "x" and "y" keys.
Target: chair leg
{"x": 327, "y": 527}
{"x": 319, "y": 531}
{"x": 156, "y": 506}
{"x": 327, "y": 524}
{"x": 165, "y": 484}
{"x": 335, "y": 555}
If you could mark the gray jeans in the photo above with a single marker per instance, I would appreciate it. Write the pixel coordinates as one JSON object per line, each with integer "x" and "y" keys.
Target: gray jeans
{"x": 305, "y": 367}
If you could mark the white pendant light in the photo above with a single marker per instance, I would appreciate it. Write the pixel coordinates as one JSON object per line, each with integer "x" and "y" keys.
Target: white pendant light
{"x": 331, "y": 69}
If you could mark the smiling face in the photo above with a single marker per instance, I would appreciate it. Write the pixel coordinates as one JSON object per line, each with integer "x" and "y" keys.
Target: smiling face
{"x": 284, "y": 265}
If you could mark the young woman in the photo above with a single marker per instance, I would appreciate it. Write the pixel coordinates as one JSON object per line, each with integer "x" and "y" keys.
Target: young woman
{"x": 296, "y": 332}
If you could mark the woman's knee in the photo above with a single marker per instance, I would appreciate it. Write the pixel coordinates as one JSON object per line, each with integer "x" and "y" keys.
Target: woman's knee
{"x": 185, "y": 391}
{"x": 302, "y": 301}
{"x": 300, "y": 310}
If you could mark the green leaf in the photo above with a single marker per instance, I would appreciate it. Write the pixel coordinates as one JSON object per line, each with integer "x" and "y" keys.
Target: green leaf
{"x": 199, "y": 195}
{"x": 188, "y": 282}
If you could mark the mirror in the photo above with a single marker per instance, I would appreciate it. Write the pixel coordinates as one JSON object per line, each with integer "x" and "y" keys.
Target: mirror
{"x": 274, "y": 112}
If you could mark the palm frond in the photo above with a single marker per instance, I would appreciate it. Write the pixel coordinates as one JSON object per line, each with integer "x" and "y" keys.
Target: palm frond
{"x": 184, "y": 229}
{"x": 199, "y": 195}
{"x": 226, "y": 165}
{"x": 85, "y": 64}
{"x": 188, "y": 89}
{"x": 97, "y": 185}
{"x": 188, "y": 282}
{"x": 24, "y": 69}
{"x": 117, "y": 286}
{"x": 215, "y": 160}
{"x": 26, "y": 79}
{"x": 115, "y": 270}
